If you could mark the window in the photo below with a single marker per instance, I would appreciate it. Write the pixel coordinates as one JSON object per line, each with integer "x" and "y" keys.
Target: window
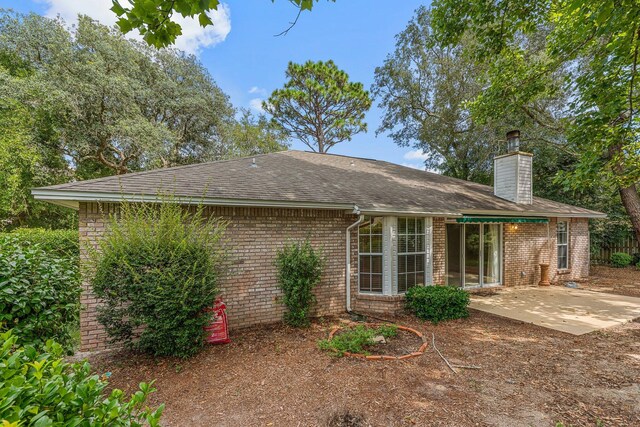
{"x": 562, "y": 234}
{"x": 370, "y": 252}
{"x": 411, "y": 253}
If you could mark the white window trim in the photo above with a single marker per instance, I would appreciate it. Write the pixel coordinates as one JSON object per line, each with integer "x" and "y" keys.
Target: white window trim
{"x": 390, "y": 256}
{"x": 568, "y": 266}
{"x": 372, "y": 253}
{"x": 423, "y": 253}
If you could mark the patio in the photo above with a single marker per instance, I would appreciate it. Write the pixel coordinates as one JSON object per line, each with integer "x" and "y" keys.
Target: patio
{"x": 574, "y": 311}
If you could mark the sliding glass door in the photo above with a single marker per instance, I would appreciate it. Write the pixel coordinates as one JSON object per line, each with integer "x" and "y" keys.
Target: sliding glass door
{"x": 473, "y": 255}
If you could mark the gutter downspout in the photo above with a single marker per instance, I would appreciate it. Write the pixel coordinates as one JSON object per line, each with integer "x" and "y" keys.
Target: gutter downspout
{"x": 348, "y": 251}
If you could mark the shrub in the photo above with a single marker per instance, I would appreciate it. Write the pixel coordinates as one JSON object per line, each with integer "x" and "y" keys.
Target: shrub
{"x": 41, "y": 389}
{"x": 620, "y": 259}
{"x": 39, "y": 294}
{"x": 355, "y": 340}
{"x": 156, "y": 271}
{"x": 437, "y": 303}
{"x": 299, "y": 270}
{"x": 62, "y": 243}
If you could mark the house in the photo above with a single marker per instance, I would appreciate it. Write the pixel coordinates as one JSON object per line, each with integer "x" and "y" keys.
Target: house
{"x": 382, "y": 227}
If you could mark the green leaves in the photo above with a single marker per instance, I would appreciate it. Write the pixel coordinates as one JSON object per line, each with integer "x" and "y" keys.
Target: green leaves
{"x": 39, "y": 293}
{"x": 153, "y": 17}
{"x": 299, "y": 271}
{"x": 157, "y": 272}
{"x": 41, "y": 389}
{"x": 319, "y": 105}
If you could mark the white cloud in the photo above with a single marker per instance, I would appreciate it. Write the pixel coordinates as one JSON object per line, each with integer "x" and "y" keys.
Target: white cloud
{"x": 193, "y": 39}
{"x": 258, "y": 90}
{"x": 416, "y": 155}
{"x": 256, "y": 104}
{"x": 413, "y": 166}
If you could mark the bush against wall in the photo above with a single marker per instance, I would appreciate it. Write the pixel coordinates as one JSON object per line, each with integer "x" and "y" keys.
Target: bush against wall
{"x": 41, "y": 389}
{"x": 620, "y": 259}
{"x": 299, "y": 269}
{"x": 437, "y": 303}
{"x": 156, "y": 271}
{"x": 39, "y": 293}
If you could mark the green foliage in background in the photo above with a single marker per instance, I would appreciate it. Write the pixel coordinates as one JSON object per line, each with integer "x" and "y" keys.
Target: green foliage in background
{"x": 594, "y": 46}
{"x": 356, "y": 340}
{"x": 39, "y": 293}
{"x": 299, "y": 271}
{"x": 57, "y": 243}
{"x": 620, "y": 259}
{"x": 153, "y": 19}
{"x": 41, "y": 389}
{"x": 437, "y": 303}
{"x": 319, "y": 105}
{"x": 87, "y": 102}
{"x": 157, "y": 270}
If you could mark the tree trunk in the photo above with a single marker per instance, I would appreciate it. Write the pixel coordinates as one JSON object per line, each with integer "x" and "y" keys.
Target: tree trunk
{"x": 631, "y": 202}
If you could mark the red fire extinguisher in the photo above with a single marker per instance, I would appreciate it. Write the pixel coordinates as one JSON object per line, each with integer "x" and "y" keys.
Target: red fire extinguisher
{"x": 218, "y": 331}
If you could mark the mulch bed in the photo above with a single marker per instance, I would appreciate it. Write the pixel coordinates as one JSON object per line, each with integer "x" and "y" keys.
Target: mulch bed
{"x": 529, "y": 376}
{"x": 403, "y": 343}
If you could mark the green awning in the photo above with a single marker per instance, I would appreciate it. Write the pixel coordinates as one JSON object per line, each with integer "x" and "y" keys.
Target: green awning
{"x": 510, "y": 219}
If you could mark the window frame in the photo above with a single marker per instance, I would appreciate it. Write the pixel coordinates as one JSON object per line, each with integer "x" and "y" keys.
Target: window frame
{"x": 398, "y": 254}
{"x": 369, "y": 221}
{"x": 566, "y": 244}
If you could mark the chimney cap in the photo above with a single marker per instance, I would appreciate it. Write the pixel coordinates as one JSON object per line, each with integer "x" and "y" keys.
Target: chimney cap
{"x": 513, "y": 134}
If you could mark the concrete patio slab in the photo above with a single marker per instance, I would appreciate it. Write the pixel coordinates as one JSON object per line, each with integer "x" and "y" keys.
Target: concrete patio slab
{"x": 574, "y": 311}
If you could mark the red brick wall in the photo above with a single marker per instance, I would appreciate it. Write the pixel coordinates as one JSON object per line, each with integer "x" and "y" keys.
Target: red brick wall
{"x": 249, "y": 288}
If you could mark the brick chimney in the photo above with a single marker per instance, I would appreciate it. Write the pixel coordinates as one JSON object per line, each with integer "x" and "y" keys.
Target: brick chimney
{"x": 513, "y": 171}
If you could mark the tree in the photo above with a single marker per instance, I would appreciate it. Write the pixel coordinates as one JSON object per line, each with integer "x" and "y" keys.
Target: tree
{"x": 91, "y": 103}
{"x": 425, "y": 88}
{"x": 598, "y": 43}
{"x": 319, "y": 105}
{"x": 253, "y": 135}
{"x": 154, "y": 21}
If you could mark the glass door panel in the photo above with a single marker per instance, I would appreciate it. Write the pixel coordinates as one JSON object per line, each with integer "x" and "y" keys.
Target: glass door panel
{"x": 454, "y": 254}
{"x": 491, "y": 254}
{"x": 472, "y": 255}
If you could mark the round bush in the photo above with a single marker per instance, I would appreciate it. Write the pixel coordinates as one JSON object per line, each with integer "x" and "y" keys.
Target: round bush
{"x": 41, "y": 389}
{"x": 437, "y": 303}
{"x": 39, "y": 293}
{"x": 620, "y": 259}
{"x": 156, "y": 272}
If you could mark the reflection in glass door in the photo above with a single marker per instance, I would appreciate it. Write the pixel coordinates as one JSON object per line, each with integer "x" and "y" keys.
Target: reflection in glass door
{"x": 453, "y": 257}
{"x": 473, "y": 255}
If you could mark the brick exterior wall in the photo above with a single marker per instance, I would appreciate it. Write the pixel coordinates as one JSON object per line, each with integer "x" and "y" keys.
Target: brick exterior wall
{"x": 250, "y": 289}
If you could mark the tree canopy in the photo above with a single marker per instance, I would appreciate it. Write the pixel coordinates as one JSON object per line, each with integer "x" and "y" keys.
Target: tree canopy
{"x": 91, "y": 103}
{"x": 596, "y": 44}
{"x": 319, "y": 105}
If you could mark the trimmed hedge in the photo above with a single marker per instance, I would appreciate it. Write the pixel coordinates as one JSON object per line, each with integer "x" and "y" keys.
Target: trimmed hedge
{"x": 620, "y": 259}
{"x": 437, "y": 303}
{"x": 39, "y": 293}
{"x": 62, "y": 243}
{"x": 41, "y": 389}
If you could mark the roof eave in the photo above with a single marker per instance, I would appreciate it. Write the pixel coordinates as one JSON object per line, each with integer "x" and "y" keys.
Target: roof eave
{"x": 73, "y": 198}
{"x": 592, "y": 214}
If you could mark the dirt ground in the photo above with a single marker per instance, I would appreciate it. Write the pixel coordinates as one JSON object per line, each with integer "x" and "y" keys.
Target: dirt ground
{"x": 276, "y": 376}
{"x": 622, "y": 281}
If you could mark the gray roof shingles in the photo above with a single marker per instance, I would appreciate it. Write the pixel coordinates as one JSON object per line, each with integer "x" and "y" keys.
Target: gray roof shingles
{"x": 298, "y": 176}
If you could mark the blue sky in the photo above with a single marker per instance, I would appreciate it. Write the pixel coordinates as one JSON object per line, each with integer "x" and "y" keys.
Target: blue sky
{"x": 248, "y": 62}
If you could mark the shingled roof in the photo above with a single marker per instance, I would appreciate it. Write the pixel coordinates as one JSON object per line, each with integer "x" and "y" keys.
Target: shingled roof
{"x": 308, "y": 180}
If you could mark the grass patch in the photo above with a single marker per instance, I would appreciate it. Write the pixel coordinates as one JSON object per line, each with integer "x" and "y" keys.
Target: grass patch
{"x": 355, "y": 340}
